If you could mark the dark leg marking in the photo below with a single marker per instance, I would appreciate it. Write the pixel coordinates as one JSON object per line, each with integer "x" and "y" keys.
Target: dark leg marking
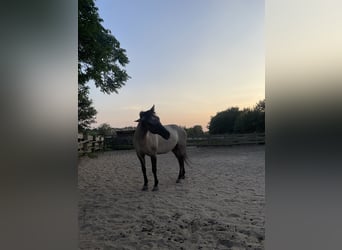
{"x": 180, "y": 159}
{"x": 154, "y": 170}
{"x": 181, "y": 168}
{"x": 143, "y": 168}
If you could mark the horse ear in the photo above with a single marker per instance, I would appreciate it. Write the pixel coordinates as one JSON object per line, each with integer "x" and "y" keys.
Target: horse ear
{"x": 152, "y": 109}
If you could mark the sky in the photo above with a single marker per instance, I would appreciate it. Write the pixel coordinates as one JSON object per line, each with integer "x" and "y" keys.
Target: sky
{"x": 189, "y": 58}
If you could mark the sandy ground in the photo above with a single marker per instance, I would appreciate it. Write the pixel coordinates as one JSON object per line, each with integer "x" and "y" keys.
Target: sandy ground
{"x": 220, "y": 204}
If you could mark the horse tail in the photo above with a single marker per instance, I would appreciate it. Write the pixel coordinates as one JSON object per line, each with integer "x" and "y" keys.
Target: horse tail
{"x": 187, "y": 160}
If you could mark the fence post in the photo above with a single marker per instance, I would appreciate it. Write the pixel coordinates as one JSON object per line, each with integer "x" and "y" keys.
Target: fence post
{"x": 80, "y": 143}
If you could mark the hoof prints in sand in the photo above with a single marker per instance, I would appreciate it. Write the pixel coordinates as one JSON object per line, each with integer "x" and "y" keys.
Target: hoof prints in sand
{"x": 220, "y": 204}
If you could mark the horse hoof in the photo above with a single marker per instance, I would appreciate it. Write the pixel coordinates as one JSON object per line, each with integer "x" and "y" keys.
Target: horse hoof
{"x": 178, "y": 180}
{"x": 145, "y": 188}
{"x": 155, "y": 188}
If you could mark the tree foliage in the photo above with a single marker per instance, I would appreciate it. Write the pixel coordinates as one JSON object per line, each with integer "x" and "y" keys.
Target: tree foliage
{"x": 86, "y": 112}
{"x": 223, "y": 122}
{"x": 105, "y": 129}
{"x": 246, "y": 121}
{"x": 260, "y": 106}
{"x": 100, "y": 59}
{"x": 195, "y": 131}
{"x": 234, "y": 120}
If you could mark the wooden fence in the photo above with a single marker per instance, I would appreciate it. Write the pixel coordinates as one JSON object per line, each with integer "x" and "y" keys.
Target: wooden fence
{"x": 126, "y": 142}
{"x": 89, "y": 143}
{"x": 118, "y": 143}
{"x": 227, "y": 140}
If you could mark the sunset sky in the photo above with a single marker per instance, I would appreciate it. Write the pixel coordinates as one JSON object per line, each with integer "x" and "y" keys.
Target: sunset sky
{"x": 190, "y": 58}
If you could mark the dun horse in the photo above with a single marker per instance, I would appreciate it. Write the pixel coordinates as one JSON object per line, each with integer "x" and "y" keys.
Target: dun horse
{"x": 152, "y": 138}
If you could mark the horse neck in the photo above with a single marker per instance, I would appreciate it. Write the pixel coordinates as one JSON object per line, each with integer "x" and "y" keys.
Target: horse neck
{"x": 141, "y": 131}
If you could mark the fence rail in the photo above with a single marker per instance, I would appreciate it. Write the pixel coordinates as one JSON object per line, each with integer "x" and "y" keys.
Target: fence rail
{"x": 126, "y": 142}
{"x": 227, "y": 140}
{"x": 89, "y": 143}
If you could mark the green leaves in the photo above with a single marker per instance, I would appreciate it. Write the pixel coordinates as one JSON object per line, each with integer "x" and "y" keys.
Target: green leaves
{"x": 86, "y": 113}
{"x": 99, "y": 53}
{"x": 100, "y": 58}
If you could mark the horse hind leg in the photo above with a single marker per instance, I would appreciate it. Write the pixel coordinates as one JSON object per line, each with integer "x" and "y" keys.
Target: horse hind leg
{"x": 183, "y": 154}
{"x": 154, "y": 170}
{"x": 180, "y": 159}
{"x": 181, "y": 174}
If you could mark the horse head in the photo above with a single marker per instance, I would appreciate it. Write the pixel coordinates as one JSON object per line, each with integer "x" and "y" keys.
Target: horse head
{"x": 149, "y": 120}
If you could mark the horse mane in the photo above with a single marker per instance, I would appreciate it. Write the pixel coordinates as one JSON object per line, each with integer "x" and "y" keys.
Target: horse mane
{"x": 148, "y": 113}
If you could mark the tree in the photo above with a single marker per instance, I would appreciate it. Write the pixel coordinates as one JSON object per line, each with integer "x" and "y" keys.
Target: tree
{"x": 260, "y": 106}
{"x": 246, "y": 121}
{"x": 223, "y": 122}
{"x": 100, "y": 58}
{"x": 260, "y": 119}
{"x": 233, "y": 120}
{"x": 195, "y": 131}
{"x": 86, "y": 112}
{"x": 105, "y": 129}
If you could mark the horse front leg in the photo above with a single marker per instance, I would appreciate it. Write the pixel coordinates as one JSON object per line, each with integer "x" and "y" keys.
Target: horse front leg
{"x": 143, "y": 168}
{"x": 154, "y": 170}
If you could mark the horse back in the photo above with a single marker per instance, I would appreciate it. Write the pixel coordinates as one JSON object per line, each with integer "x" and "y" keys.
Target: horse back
{"x": 153, "y": 144}
{"x": 177, "y": 136}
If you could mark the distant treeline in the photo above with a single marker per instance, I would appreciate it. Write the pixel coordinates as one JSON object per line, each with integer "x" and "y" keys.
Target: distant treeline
{"x": 243, "y": 121}
{"x": 230, "y": 121}
{"x": 234, "y": 121}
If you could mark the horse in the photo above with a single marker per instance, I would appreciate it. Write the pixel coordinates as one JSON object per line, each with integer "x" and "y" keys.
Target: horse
{"x": 152, "y": 138}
